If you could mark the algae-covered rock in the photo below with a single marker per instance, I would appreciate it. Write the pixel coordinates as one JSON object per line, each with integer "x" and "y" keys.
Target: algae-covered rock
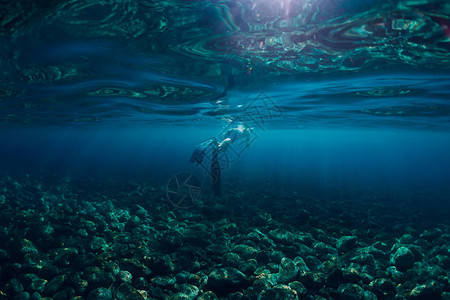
{"x": 403, "y": 258}
{"x": 427, "y": 291}
{"x": 288, "y": 271}
{"x": 54, "y": 285}
{"x": 226, "y": 280}
{"x": 346, "y": 243}
{"x": 281, "y": 235}
{"x": 350, "y": 291}
{"x": 279, "y": 291}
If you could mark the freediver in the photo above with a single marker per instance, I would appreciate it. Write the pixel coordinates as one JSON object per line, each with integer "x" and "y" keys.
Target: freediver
{"x": 232, "y": 135}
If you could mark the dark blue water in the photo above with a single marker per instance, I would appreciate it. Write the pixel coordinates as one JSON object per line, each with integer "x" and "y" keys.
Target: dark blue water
{"x": 337, "y": 93}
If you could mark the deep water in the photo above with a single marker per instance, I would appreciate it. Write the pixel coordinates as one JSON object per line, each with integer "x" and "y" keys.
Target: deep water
{"x": 244, "y": 149}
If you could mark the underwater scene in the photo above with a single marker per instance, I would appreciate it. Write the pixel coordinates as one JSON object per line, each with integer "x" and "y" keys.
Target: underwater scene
{"x": 225, "y": 149}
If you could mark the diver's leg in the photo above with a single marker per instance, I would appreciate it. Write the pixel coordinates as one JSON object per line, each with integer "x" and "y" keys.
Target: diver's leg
{"x": 215, "y": 173}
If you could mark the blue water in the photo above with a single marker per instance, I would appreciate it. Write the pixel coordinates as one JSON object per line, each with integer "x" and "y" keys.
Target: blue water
{"x": 348, "y": 94}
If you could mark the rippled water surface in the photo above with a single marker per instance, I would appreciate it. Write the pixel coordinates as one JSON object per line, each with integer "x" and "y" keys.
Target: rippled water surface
{"x": 323, "y": 63}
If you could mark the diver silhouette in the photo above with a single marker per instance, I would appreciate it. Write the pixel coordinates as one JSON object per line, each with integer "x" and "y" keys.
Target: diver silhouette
{"x": 232, "y": 135}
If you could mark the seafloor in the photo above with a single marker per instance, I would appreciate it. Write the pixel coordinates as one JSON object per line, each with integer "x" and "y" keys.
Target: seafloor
{"x": 90, "y": 239}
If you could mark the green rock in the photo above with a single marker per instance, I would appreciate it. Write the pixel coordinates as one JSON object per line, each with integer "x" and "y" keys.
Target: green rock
{"x": 249, "y": 266}
{"x": 288, "y": 271}
{"x": 64, "y": 256}
{"x": 54, "y": 285}
{"x": 279, "y": 291}
{"x": 245, "y": 251}
{"x": 163, "y": 281}
{"x": 16, "y": 285}
{"x": 189, "y": 290}
{"x": 429, "y": 290}
{"x": 350, "y": 291}
{"x": 403, "y": 258}
{"x": 100, "y": 293}
{"x": 22, "y": 296}
{"x": 208, "y": 296}
{"x": 282, "y": 236}
{"x": 226, "y": 280}
{"x": 127, "y": 292}
{"x": 231, "y": 259}
{"x": 346, "y": 243}
{"x": 298, "y": 287}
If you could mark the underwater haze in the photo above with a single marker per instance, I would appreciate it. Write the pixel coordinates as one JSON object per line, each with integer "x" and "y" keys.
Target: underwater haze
{"x": 241, "y": 149}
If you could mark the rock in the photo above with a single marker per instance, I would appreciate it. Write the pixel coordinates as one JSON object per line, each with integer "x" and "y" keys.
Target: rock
{"x": 403, "y": 258}
{"x": 335, "y": 278}
{"x": 226, "y": 280}
{"x": 141, "y": 283}
{"x": 383, "y": 288}
{"x": 301, "y": 265}
{"x": 322, "y": 248}
{"x": 249, "y": 266}
{"x": 27, "y": 246}
{"x": 298, "y": 287}
{"x": 406, "y": 239}
{"x": 443, "y": 261}
{"x": 207, "y": 296}
{"x": 431, "y": 235}
{"x": 179, "y": 296}
{"x": 160, "y": 265}
{"x": 288, "y": 271}
{"x": 163, "y": 281}
{"x": 81, "y": 286}
{"x": 84, "y": 260}
{"x": 313, "y": 263}
{"x": 396, "y": 275}
{"x": 35, "y": 296}
{"x": 231, "y": 259}
{"x": 279, "y": 291}
{"x": 245, "y": 251}
{"x": 66, "y": 293}
{"x": 281, "y": 235}
{"x": 63, "y": 256}
{"x": 16, "y": 285}
{"x": 100, "y": 293}
{"x": 125, "y": 276}
{"x": 200, "y": 236}
{"x": 4, "y": 256}
{"x": 312, "y": 280}
{"x": 100, "y": 279}
{"x": 98, "y": 243}
{"x": 22, "y": 296}
{"x": 54, "y": 285}
{"x": 375, "y": 252}
{"x": 368, "y": 295}
{"x": 352, "y": 275}
{"x": 32, "y": 282}
{"x": 172, "y": 238}
{"x": 189, "y": 290}
{"x": 34, "y": 261}
{"x": 428, "y": 291}
{"x": 363, "y": 259}
{"x": 276, "y": 256}
{"x": 132, "y": 222}
{"x": 127, "y": 292}
{"x": 346, "y": 243}
{"x": 350, "y": 291}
